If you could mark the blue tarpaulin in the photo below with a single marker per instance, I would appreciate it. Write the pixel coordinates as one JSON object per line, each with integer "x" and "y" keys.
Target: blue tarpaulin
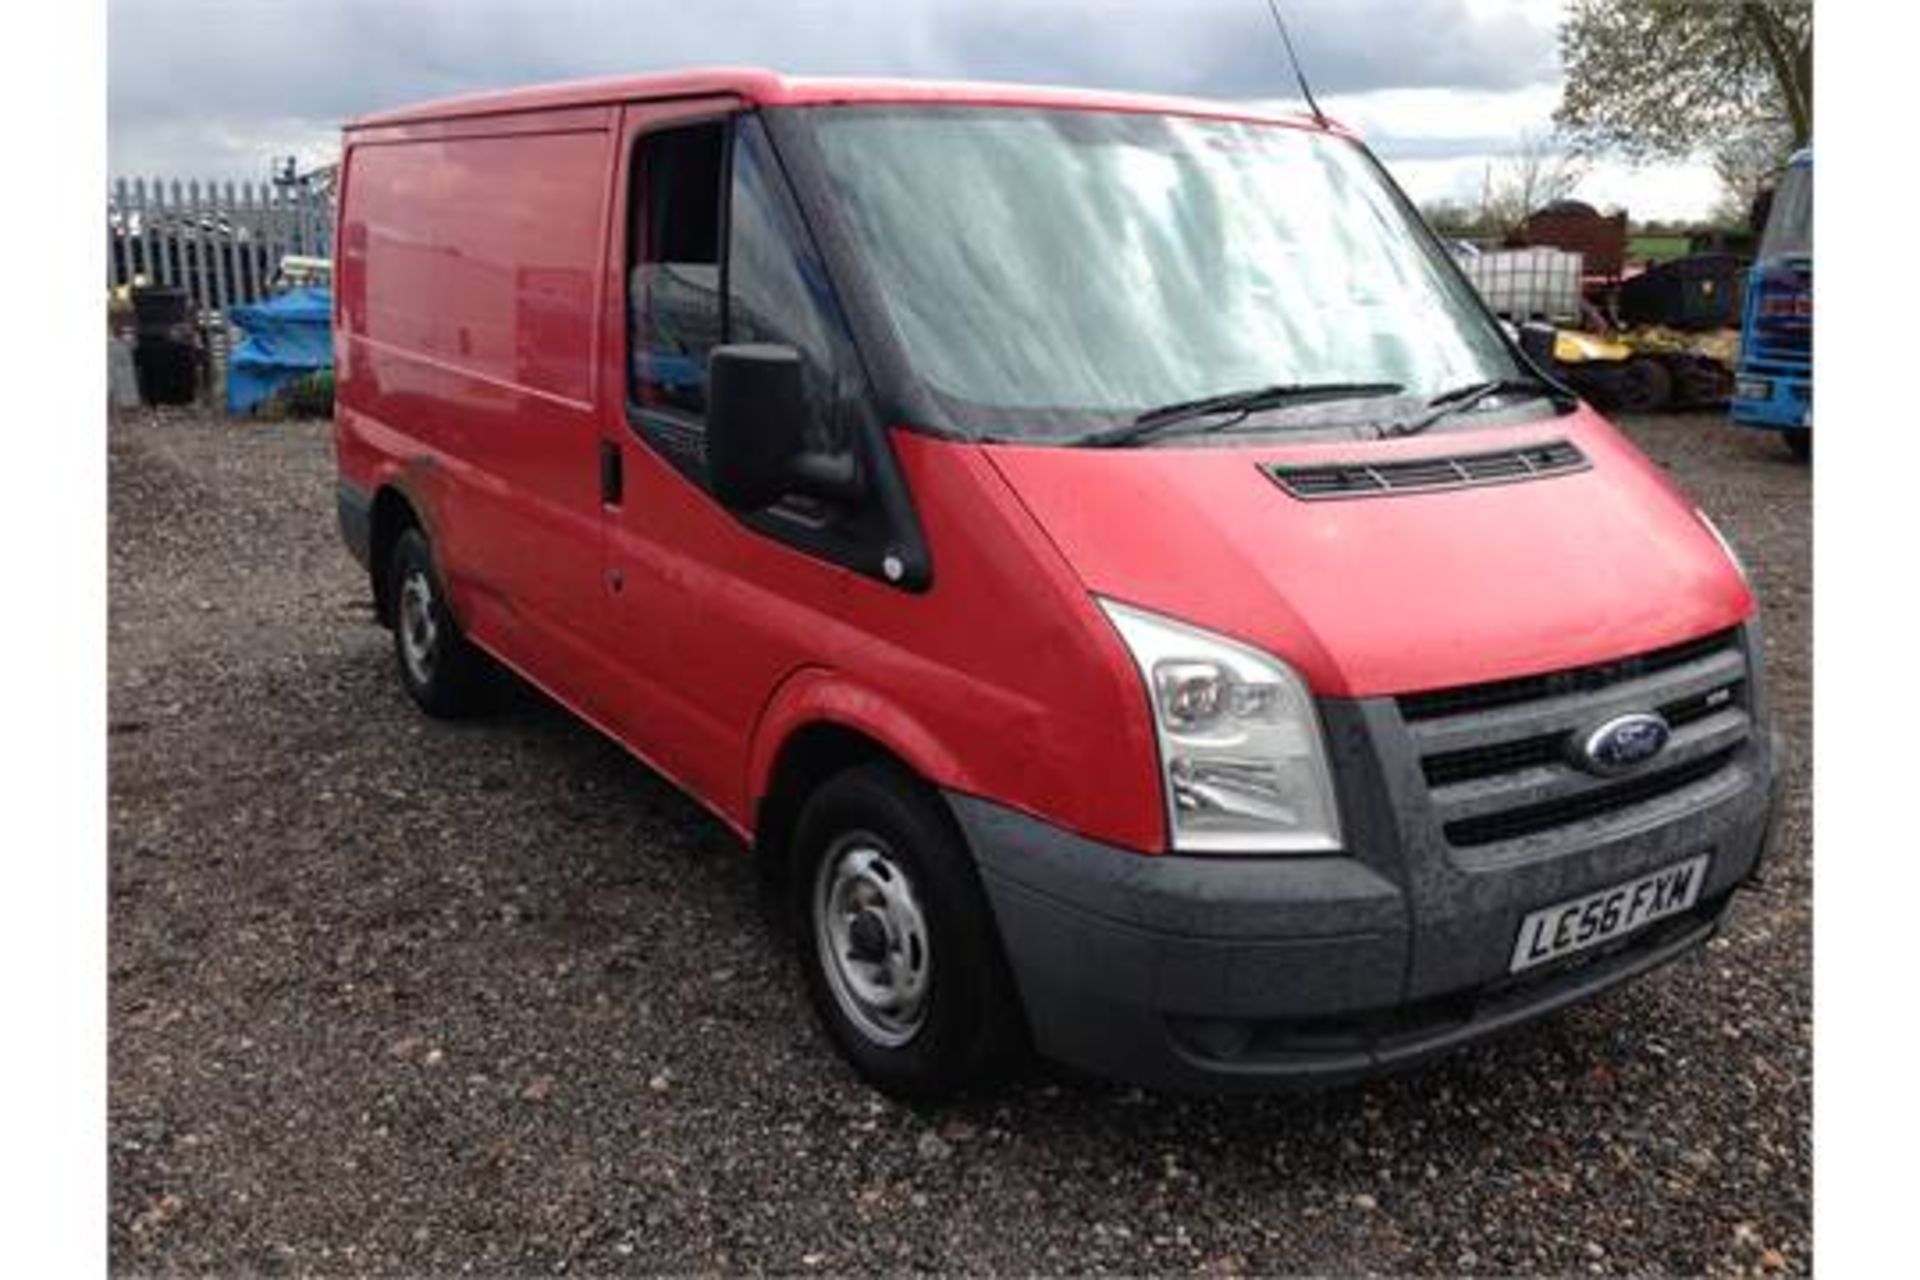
{"x": 287, "y": 337}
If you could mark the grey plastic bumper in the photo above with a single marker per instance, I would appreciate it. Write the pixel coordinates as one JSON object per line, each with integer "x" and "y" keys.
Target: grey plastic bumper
{"x": 1245, "y": 973}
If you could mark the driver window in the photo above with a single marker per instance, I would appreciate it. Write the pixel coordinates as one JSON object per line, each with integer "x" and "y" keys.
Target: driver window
{"x": 718, "y": 252}
{"x": 674, "y": 295}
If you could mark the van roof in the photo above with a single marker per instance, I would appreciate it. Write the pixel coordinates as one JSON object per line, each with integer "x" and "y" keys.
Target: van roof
{"x": 761, "y": 87}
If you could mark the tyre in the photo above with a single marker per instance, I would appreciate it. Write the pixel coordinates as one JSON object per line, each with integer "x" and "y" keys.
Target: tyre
{"x": 1702, "y": 383}
{"x": 896, "y": 941}
{"x": 1799, "y": 444}
{"x": 442, "y": 673}
{"x": 1596, "y": 381}
{"x": 1645, "y": 386}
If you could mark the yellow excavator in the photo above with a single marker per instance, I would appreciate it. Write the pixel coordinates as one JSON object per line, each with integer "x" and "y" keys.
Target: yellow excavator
{"x": 1637, "y": 338}
{"x": 1648, "y": 368}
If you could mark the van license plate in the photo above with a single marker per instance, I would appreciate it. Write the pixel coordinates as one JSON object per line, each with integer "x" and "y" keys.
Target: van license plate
{"x": 1588, "y": 921}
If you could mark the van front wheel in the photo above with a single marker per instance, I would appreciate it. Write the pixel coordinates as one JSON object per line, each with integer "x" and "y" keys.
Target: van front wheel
{"x": 897, "y": 943}
{"x": 441, "y": 672}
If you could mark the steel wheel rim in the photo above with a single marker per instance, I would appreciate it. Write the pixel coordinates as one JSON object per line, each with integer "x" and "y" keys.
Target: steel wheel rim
{"x": 860, "y": 893}
{"x": 419, "y": 632}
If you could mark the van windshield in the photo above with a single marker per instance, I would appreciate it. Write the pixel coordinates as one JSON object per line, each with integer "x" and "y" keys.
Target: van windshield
{"x": 1789, "y": 232}
{"x": 1051, "y": 271}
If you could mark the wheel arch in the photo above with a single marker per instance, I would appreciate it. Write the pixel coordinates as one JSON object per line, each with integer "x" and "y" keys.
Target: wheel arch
{"x": 393, "y": 513}
{"x": 817, "y": 724}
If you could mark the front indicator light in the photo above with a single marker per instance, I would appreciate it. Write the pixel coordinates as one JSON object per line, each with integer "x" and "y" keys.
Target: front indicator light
{"x": 1243, "y": 764}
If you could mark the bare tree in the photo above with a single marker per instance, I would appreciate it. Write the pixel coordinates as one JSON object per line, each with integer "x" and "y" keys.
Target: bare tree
{"x": 1538, "y": 171}
{"x": 1746, "y": 165}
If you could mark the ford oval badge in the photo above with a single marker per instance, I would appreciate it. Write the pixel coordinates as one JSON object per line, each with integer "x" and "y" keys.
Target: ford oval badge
{"x": 1624, "y": 743}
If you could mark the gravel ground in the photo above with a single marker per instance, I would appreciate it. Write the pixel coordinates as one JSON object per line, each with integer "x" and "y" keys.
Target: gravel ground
{"x": 396, "y": 996}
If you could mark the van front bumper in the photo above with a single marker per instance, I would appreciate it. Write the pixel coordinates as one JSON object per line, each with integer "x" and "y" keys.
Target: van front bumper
{"x": 1244, "y": 973}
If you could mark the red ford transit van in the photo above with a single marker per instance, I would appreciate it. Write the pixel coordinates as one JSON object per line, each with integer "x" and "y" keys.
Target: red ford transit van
{"x": 1096, "y": 552}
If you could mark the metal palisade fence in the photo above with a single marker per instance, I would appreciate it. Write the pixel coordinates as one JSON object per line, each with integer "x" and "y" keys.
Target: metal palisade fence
{"x": 221, "y": 242}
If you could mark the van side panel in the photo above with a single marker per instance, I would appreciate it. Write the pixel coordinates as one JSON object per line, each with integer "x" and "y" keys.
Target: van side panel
{"x": 483, "y": 336}
{"x": 471, "y": 281}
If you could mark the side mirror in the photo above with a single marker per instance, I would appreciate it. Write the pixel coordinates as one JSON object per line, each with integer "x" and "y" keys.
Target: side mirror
{"x": 757, "y": 417}
{"x": 1536, "y": 340}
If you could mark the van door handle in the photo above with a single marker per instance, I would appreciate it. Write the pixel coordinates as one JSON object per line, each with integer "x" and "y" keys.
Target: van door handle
{"x": 611, "y": 478}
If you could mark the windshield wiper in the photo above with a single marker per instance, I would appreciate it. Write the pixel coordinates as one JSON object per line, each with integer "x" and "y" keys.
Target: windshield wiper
{"x": 1238, "y": 404}
{"x": 1461, "y": 399}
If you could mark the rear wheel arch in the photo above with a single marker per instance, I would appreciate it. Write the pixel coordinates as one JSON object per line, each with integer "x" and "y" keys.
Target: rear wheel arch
{"x": 443, "y": 673}
{"x": 392, "y": 515}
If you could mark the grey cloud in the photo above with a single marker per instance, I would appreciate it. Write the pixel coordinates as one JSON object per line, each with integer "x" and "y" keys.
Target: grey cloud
{"x": 1390, "y": 147}
{"x": 1228, "y": 48}
{"x": 205, "y": 85}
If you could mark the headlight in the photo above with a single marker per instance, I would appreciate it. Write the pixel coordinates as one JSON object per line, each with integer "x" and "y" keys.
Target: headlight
{"x": 1242, "y": 762}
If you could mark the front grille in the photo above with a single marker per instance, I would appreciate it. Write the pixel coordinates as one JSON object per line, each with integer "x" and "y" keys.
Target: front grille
{"x": 1783, "y": 337}
{"x": 1498, "y": 759}
{"x": 1511, "y": 824}
{"x": 1418, "y": 475}
{"x": 1684, "y": 711}
{"x": 1589, "y": 679}
{"x": 1449, "y": 767}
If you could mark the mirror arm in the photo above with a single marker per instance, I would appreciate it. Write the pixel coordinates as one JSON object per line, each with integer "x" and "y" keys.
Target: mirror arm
{"x": 832, "y": 476}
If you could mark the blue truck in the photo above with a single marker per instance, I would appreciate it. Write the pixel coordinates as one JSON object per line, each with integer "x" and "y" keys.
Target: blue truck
{"x": 1773, "y": 388}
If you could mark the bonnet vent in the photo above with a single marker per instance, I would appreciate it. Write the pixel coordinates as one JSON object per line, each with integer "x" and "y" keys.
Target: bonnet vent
{"x": 1423, "y": 475}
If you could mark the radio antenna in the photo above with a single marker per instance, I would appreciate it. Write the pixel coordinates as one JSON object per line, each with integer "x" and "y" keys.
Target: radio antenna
{"x": 1319, "y": 118}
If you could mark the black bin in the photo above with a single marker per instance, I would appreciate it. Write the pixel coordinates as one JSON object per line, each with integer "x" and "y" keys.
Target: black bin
{"x": 166, "y": 352}
{"x": 157, "y": 309}
{"x": 1699, "y": 291}
{"x": 166, "y": 370}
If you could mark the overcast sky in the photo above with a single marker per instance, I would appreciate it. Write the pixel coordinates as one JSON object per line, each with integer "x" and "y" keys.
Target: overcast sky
{"x": 1440, "y": 88}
